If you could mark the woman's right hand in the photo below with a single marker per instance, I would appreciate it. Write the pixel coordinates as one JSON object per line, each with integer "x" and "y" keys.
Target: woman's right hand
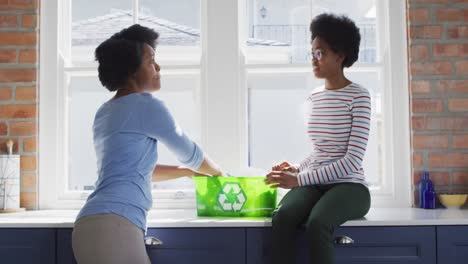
{"x": 285, "y": 166}
{"x": 197, "y": 173}
{"x": 209, "y": 167}
{"x": 219, "y": 174}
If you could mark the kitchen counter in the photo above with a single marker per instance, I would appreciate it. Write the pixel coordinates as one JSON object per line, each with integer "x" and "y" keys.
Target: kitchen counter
{"x": 188, "y": 218}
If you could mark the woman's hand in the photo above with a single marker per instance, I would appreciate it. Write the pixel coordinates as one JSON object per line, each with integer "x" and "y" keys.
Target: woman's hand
{"x": 209, "y": 167}
{"x": 196, "y": 173}
{"x": 282, "y": 179}
{"x": 285, "y": 166}
{"x": 170, "y": 172}
{"x": 221, "y": 173}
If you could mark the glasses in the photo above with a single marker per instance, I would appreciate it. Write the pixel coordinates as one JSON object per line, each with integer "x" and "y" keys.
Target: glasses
{"x": 317, "y": 54}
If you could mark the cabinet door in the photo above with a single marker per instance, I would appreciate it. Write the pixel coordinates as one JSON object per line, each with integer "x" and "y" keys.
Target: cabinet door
{"x": 198, "y": 245}
{"x": 452, "y": 244}
{"x": 26, "y": 246}
{"x": 64, "y": 246}
{"x": 180, "y": 245}
{"x": 395, "y": 245}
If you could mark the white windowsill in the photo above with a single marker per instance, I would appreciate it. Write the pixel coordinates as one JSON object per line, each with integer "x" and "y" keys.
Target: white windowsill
{"x": 188, "y": 218}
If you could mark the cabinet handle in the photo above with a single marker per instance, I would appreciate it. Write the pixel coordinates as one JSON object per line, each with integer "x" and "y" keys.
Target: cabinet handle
{"x": 340, "y": 240}
{"x": 152, "y": 242}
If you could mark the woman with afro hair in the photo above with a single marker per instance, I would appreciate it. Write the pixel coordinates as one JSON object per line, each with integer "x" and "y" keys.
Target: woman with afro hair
{"x": 328, "y": 187}
{"x": 127, "y": 130}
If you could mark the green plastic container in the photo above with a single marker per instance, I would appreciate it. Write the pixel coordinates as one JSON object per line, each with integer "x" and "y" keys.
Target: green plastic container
{"x": 234, "y": 197}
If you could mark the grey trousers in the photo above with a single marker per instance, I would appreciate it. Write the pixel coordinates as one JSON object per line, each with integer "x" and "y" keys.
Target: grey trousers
{"x": 108, "y": 238}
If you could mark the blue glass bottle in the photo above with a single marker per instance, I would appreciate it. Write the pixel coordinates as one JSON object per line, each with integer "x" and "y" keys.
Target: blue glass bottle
{"x": 422, "y": 187}
{"x": 429, "y": 197}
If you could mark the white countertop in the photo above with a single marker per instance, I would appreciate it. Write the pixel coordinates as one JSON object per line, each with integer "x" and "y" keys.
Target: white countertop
{"x": 188, "y": 218}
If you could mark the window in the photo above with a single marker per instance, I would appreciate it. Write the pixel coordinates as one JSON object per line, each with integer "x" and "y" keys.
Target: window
{"x": 278, "y": 32}
{"x": 77, "y": 93}
{"x": 228, "y": 67}
{"x": 279, "y": 79}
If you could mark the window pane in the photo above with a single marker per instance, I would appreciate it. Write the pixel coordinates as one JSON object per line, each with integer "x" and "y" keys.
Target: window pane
{"x": 363, "y": 13}
{"x": 276, "y": 121}
{"x": 276, "y": 118}
{"x": 374, "y": 159}
{"x": 82, "y": 11}
{"x": 84, "y": 91}
{"x": 91, "y": 26}
{"x": 279, "y": 30}
{"x": 177, "y": 92}
{"x": 177, "y": 22}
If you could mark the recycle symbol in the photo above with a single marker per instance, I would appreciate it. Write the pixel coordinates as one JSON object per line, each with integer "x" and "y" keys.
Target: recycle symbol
{"x": 231, "y": 197}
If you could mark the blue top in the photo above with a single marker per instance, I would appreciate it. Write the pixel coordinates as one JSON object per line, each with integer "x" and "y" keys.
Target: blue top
{"x": 126, "y": 135}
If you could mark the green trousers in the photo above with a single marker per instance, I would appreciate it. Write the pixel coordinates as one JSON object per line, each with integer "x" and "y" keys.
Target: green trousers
{"x": 320, "y": 208}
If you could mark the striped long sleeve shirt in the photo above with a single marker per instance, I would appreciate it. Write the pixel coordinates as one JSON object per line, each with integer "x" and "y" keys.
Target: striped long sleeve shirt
{"x": 338, "y": 123}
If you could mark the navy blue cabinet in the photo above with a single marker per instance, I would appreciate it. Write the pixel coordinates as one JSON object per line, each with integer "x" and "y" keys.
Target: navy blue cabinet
{"x": 180, "y": 245}
{"x": 395, "y": 245}
{"x": 26, "y": 246}
{"x": 64, "y": 246}
{"x": 452, "y": 244}
{"x": 198, "y": 245}
{"x": 382, "y": 245}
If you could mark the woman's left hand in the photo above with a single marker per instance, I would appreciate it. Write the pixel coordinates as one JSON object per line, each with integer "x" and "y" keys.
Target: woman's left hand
{"x": 282, "y": 179}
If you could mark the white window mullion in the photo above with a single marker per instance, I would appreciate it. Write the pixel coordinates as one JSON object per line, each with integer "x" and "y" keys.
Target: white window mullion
{"x": 49, "y": 99}
{"x": 223, "y": 92}
{"x": 136, "y": 11}
{"x": 396, "y": 131}
{"x": 400, "y": 98}
{"x": 64, "y": 23}
{"x": 381, "y": 34}
{"x": 62, "y": 93}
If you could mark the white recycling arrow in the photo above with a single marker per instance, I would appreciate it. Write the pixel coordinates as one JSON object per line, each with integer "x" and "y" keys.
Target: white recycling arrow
{"x": 227, "y": 207}
{"x": 236, "y": 188}
{"x": 222, "y": 198}
{"x": 241, "y": 198}
{"x": 237, "y": 206}
{"x": 227, "y": 188}
{"x": 233, "y": 189}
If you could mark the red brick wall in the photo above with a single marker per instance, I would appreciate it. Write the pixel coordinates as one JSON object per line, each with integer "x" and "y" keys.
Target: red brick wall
{"x": 438, "y": 65}
{"x": 18, "y": 89}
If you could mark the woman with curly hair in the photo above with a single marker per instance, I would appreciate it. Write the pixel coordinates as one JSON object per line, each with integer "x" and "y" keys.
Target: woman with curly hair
{"x": 328, "y": 186}
{"x": 111, "y": 225}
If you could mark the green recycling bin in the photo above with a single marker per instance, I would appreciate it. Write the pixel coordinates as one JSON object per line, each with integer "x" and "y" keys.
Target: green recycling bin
{"x": 234, "y": 196}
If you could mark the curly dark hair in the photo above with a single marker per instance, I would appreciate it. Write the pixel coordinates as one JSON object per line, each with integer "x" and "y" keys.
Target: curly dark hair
{"x": 121, "y": 55}
{"x": 340, "y": 33}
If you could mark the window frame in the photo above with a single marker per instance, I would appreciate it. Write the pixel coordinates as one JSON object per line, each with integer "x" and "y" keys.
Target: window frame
{"x": 222, "y": 101}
